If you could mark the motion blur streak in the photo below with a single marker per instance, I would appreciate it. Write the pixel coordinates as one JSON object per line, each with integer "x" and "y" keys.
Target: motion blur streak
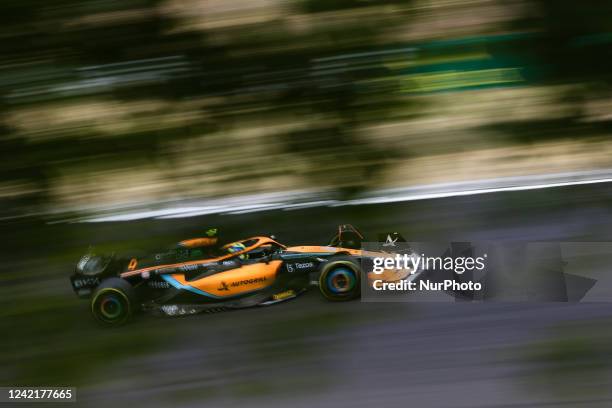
{"x": 296, "y": 200}
{"x": 163, "y": 117}
{"x": 145, "y": 101}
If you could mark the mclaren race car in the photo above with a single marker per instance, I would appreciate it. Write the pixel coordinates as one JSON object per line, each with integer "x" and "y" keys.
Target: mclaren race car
{"x": 200, "y": 274}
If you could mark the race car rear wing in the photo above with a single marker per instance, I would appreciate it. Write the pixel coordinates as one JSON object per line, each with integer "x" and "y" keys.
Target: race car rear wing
{"x": 347, "y": 236}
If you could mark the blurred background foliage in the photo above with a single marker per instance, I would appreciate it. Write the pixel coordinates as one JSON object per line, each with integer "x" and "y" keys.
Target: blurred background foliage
{"x": 127, "y": 84}
{"x": 121, "y": 102}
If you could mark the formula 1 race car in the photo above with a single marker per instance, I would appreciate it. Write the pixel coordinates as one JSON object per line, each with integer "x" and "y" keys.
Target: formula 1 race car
{"x": 199, "y": 275}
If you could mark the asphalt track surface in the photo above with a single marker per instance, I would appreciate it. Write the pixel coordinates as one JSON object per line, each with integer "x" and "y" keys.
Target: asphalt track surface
{"x": 311, "y": 353}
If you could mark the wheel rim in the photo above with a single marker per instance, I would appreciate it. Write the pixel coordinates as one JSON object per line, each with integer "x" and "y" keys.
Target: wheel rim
{"x": 111, "y": 306}
{"x": 341, "y": 280}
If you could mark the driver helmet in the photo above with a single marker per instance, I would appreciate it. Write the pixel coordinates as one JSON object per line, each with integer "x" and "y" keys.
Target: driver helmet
{"x": 237, "y": 247}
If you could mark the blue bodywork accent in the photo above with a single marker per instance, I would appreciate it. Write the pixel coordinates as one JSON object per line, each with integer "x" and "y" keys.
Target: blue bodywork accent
{"x": 178, "y": 285}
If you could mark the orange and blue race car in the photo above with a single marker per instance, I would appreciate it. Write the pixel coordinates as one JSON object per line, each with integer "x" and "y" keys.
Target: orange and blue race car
{"x": 201, "y": 275}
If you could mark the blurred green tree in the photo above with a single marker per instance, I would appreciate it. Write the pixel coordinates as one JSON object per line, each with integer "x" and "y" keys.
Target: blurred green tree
{"x": 329, "y": 73}
{"x": 569, "y": 44}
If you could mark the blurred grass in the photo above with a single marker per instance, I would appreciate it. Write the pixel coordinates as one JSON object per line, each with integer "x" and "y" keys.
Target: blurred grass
{"x": 56, "y": 342}
{"x": 575, "y": 360}
{"x": 286, "y": 351}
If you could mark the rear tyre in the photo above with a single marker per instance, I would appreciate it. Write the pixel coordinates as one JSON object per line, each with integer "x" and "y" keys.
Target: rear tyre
{"x": 340, "y": 279}
{"x": 113, "y": 302}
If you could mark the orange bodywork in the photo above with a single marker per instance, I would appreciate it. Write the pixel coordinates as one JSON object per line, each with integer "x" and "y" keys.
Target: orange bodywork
{"x": 259, "y": 242}
{"x": 234, "y": 282}
{"x": 241, "y": 280}
{"x": 326, "y": 249}
{"x": 196, "y": 242}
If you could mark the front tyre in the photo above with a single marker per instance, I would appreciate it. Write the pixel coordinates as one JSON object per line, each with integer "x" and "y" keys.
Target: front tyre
{"x": 113, "y": 302}
{"x": 340, "y": 279}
